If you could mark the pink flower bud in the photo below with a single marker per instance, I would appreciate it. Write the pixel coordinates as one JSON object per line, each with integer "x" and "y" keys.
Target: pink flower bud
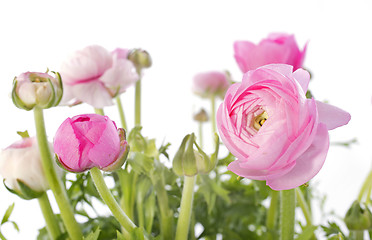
{"x": 36, "y": 89}
{"x": 90, "y": 140}
{"x": 277, "y": 48}
{"x": 210, "y": 83}
{"x": 21, "y": 163}
{"x": 94, "y": 75}
{"x": 276, "y": 133}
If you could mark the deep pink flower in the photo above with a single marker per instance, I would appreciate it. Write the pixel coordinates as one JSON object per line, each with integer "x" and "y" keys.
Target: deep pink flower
{"x": 90, "y": 140}
{"x": 94, "y": 76}
{"x": 276, "y": 133}
{"x": 277, "y": 48}
{"x": 210, "y": 83}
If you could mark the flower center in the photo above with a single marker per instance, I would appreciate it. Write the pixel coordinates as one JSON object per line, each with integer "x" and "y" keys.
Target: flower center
{"x": 259, "y": 120}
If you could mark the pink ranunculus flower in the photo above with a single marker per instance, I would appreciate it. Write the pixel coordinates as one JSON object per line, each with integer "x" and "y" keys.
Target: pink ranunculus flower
{"x": 276, "y": 133}
{"x": 210, "y": 83}
{"x": 21, "y": 162}
{"x": 94, "y": 75}
{"x": 277, "y": 48}
{"x": 90, "y": 140}
{"x": 36, "y": 89}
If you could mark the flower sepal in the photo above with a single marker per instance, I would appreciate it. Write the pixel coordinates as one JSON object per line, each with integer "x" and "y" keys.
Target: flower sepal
{"x": 358, "y": 217}
{"x": 24, "y": 191}
{"x": 189, "y": 162}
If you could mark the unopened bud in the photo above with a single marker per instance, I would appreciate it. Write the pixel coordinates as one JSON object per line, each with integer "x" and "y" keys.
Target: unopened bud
{"x": 140, "y": 58}
{"x": 33, "y": 89}
{"x": 358, "y": 217}
{"x": 189, "y": 161}
{"x": 201, "y": 116}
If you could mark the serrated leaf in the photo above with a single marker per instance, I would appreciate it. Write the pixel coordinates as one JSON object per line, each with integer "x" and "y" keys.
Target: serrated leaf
{"x": 94, "y": 235}
{"x": 7, "y": 214}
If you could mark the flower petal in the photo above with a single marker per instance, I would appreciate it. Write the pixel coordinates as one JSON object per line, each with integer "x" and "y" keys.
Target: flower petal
{"x": 332, "y": 116}
{"x": 307, "y": 165}
{"x": 93, "y": 93}
{"x": 303, "y": 78}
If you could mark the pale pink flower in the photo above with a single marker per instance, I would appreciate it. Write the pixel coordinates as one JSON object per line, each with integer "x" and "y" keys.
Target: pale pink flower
{"x": 210, "y": 83}
{"x": 21, "y": 161}
{"x": 94, "y": 76}
{"x": 276, "y": 133}
{"x": 32, "y": 89}
{"x": 277, "y": 48}
{"x": 90, "y": 140}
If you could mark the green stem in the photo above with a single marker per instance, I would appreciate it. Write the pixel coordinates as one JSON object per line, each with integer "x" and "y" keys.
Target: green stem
{"x": 183, "y": 223}
{"x": 272, "y": 213}
{"x": 137, "y": 104}
{"x": 99, "y": 111}
{"x": 166, "y": 214}
{"x": 287, "y": 214}
{"x": 110, "y": 201}
{"x": 357, "y": 235}
{"x": 201, "y": 134}
{"x": 304, "y": 207}
{"x": 55, "y": 183}
{"x": 50, "y": 219}
{"x": 366, "y": 185}
{"x": 213, "y": 114}
{"x": 121, "y": 112}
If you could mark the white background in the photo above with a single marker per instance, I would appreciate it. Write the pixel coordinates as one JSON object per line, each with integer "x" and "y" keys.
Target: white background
{"x": 184, "y": 38}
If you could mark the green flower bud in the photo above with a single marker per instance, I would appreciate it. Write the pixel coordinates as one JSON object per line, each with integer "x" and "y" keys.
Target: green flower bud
{"x": 140, "y": 58}
{"x": 189, "y": 161}
{"x": 358, "y": 217}
{"x": 34, "y": 89}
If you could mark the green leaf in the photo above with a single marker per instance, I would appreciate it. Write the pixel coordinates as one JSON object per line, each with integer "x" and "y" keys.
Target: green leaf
{"x": 93, "y": 235}
{"x": 307, "y": 233}
{"x": 7, "y": 214}
{"x": 23, "y": 134}
{"x": 141, "y": 163}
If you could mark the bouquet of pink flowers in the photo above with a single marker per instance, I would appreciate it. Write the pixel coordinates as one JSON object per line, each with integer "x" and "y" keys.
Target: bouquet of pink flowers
{"x": 269, "y": 137}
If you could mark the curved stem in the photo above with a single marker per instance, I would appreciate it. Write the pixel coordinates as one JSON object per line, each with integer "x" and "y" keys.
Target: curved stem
{"x": 55, "y": 183}
{"x": 137, "y": 104}
{"x": 183, "y": 223}
{"x": 366, "y": 185}
{"x": 287, "y": 214}
{"x": 304, "y": 207}
{"x": 50, "y": 219}
{"x": 110, "y": 201}
{"x": 121, "y": 112}
{"x": 99, "y": 111}
{"x": 272, "y": 212}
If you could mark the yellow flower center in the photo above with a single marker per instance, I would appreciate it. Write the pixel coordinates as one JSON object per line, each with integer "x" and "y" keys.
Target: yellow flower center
{"x": 259, "y": 120}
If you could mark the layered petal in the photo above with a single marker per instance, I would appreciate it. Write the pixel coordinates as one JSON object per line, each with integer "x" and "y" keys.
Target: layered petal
{"x": 307, "y": 165}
